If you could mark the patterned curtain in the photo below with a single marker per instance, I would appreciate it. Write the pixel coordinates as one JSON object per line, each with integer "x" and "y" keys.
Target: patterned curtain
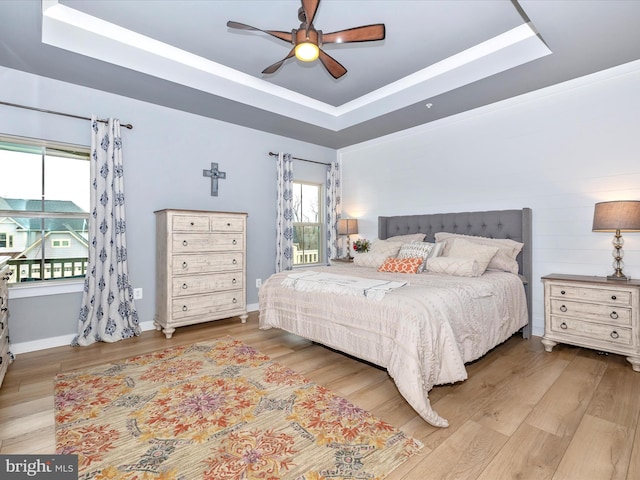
{"x": 108, "y": 313}
{"x": 284, "y": 221}
{"x": 334, "y": 211}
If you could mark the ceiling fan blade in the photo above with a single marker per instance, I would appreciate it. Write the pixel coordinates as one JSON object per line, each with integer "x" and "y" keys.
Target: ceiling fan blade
{"x": 332, "y": 65}
{"x": 286, "y": 36}
{"x": 310, "y": 7}
{"x": 366, "y": 33}
{"x": 273, "y": 68}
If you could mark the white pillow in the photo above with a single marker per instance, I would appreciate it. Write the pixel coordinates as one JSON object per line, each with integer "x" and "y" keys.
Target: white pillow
{"x": 416, "y": 250}
{"x": 390, "y": 249}
{"x": 482, "y": 254}
{"x": 461, "y": 267}
{"x": 369, "y": 259}
{"x": 409, "y": 237}
{"x": 505, "y": 258}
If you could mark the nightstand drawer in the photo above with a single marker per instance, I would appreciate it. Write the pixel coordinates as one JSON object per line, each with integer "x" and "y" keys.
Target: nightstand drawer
{"x": 591, "y": 311}
{"x": 600, "y": 295}
{"x": 611, "y": 334}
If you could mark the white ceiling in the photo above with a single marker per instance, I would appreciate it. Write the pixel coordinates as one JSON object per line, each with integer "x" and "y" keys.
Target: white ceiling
{"x": 438, "y": 58}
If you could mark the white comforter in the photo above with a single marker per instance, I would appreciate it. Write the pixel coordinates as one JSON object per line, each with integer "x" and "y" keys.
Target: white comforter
{"x": 422, "y": 333}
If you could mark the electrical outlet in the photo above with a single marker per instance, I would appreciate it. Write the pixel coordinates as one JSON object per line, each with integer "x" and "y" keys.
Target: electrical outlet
{"x": 258, "y": 282}
{"x": 137, "y": 293}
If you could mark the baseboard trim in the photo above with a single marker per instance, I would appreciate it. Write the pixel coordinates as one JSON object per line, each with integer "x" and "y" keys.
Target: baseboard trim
{"x": 65, "y": 340}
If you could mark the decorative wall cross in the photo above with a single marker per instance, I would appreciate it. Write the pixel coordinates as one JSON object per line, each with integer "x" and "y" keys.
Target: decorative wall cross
{"x": 215, "y": 174}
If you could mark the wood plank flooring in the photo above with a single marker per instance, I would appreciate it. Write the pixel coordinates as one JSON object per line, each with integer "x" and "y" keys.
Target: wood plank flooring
{"x": 522, "y": 414}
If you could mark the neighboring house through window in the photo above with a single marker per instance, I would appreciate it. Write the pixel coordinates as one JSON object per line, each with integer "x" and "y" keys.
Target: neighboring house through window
{"x": 44, "y": 208}
{"x": 307, "y": 226}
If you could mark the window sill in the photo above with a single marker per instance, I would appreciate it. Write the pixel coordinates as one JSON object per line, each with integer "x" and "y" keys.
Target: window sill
{"x": 45, "y": 288}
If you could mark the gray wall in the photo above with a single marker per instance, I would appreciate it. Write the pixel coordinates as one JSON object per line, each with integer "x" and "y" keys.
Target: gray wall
{"x": 558, "y": 151}
{"x": 164, "y": 156}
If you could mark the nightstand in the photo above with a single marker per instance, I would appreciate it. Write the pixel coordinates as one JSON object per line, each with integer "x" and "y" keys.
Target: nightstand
{"x": 593, "y": 312}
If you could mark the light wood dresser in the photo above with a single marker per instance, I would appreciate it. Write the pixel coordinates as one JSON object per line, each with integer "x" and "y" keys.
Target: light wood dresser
{"x": 593, "y": 312}
{"x": 200, "y": 267}
{"x": 6, "y": 357}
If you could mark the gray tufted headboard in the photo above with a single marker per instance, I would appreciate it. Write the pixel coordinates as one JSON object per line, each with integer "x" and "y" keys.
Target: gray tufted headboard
{"x": 513, "y": 224}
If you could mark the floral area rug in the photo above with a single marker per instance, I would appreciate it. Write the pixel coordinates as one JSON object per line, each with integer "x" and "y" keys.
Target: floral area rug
{"x": 217, "y": 410}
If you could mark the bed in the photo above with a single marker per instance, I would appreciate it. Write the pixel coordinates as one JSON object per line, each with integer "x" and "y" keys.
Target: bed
{"x": 424, "y": 327}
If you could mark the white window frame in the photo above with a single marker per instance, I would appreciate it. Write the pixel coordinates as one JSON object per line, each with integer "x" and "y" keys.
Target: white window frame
{"x": 50, "y": 286}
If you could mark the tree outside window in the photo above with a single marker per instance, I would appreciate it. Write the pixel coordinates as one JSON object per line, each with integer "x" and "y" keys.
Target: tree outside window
{"x": 307, "y": 227}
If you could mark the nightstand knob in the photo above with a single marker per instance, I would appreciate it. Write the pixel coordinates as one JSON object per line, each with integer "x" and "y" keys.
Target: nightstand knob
{"x": 562, "y": 292}
{"x": 563, "y": 308}
{"x": 614, "y": 334}
{"x": 613, "y": 297}
{"x": 613, "y": 315}
{"x": 563, "y": 326}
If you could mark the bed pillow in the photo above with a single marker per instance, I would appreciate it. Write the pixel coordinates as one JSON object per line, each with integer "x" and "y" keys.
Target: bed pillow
{"x": 461, "y": 267}
{"x": 482, "y": 254}
{"x": 505, "y": 258}
{"x": 416, "y": 250}
{"x": 401, "y": 265}
{"x": 378, "y": 252}
{"x": 408, "y": 238}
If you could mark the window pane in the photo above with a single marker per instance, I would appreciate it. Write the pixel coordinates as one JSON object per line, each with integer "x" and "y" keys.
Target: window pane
{"x": 20, "y": 181}
{"x": 66, "y": 184}
{"x": 310, "y": 212}
{"x": 306, "y": 244}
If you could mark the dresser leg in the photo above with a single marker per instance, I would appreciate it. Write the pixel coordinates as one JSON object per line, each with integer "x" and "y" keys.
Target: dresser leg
{"x": 635, "y": 363}
{"x": 168, "y": 332}
{"x": 243, "y": 318}
{"x": 548, "y": 344}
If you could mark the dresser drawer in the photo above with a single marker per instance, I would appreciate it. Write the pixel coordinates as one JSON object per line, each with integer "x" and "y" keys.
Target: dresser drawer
{"x": 196, "y": 284}
{"x": 215, "y": 304}
{"x": 591, "y": 311}
{"x": 190, "y": 223}
{"x": 203, "y": 242}
{"x": 227, "y": 224}
{"x": 210, "y": 263}
{"x": 5, "y": 356}
{"x": 609, "y": 334}
{"x": 599, "y": 295}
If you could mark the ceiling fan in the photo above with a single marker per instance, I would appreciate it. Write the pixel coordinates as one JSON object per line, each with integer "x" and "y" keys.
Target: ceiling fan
{"x": 306, "y": 40}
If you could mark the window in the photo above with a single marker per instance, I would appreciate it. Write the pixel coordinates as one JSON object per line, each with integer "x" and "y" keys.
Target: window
{"x": 307, "y": 228}
{"x": 44, "y": 208}
{"x": 6, "y": 240}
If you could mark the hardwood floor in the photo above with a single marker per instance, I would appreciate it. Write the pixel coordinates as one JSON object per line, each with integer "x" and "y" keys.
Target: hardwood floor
{"x": 522, "y": 414}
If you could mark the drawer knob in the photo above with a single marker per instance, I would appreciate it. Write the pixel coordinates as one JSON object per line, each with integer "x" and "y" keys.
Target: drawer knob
{"x": 228, "y": 224}
{"x": 615, "y": 335}
{"x": 563, "y": 308}
{"x": 562, "y": 292}
{"x": 613, "y": 315}
{"x": 613, "y": 297}
{"x": 6, "y": 277}
{"x": 185, "y": 243}
{"x": 235, "y": 300}
{"x": 184, "y": 308}
{"x": 184, "y": 286}
{"x": 563, "y": 326}
{"x": 1, "y": 325}
{"x": 234, "y": 281}
{"x": 235, "y": 242}
{"x": 4, "y": 309}
{"x": 184, "y": 264}
{"x": 192, "y": 224}
{"x": 234, "y": 261}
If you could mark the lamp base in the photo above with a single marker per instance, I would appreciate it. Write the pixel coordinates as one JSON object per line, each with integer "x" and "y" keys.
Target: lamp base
{"x": 623, "y": 278}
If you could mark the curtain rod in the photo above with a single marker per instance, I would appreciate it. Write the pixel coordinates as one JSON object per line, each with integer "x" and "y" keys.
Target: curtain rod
{"x": 271, "y": 154}
{"x": 127, "y": 125}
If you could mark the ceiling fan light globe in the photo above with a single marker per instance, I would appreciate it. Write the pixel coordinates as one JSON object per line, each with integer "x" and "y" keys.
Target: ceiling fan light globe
{"x": 307, "y": 52}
